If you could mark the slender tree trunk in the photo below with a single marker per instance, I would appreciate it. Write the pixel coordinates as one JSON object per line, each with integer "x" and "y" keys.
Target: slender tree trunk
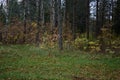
{"x": 38, "y": 3}
{"x": 40, "y": 19}
{"x": 66, "y": 13}
{"x": 64, "y": 10}
{"x": 42, "y": 13}
{"x": 60, "y": 26}
{"x": 109, "y": 12}
{"x": 25, "y": 21}
{"x": 7, "y": 12}
{"x": 56, "y": 15}
{"x": 1, "y": 7}
{"x": 28, "y": 7}
{"x": 102, "y": 14}
{"x": 73, "y": 22}
{"x": 97, "y": 29}
{"x": 52, "y": 14}
{"x": 87, "y": 17}
{"x": 112, "y": 6}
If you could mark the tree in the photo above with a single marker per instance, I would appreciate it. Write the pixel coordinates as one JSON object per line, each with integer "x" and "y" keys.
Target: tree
{"x": 40, "y": 19}
{"x": 13, "y": 9}
{"x": 1, "y": 21}
{"x": 25, "y": 20}
{"x": 52, "y": 14}
{"x": 112, "y": 7}
{"x": 97, "y": 20}
{"x": 42, "y": 13}
{"x": 2, "y": 14}
{"x": 117, "y": 18}
{"x": 60, "y": 26}
{"x": 7, "y": 12}
{"x": 73, "y": 19}
{"x": 102, "y": 10}
{"x": 38, "y": 2}
{"x": 87, "y": 17}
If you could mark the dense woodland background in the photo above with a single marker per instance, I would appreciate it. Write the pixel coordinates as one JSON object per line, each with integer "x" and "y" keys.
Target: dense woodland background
{"x": 90, "y": 25}
{"x": 59, "y": 39}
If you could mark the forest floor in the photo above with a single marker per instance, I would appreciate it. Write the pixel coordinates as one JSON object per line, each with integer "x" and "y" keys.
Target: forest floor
{"x": 25, "y": 62}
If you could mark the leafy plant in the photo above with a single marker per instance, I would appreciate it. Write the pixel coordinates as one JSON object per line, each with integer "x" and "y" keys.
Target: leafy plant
{"x": 80, "y": 43}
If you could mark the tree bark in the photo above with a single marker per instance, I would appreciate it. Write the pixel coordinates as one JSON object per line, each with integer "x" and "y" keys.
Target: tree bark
{"x": 38, "y": 2}
{"x": 7, "y": 12}
{"x": 52, "y": 14}
{"x": 87, "y": 17}
{"x": 24, "y": 20}
{"x": 97, "y": 29}
{"x": 42, "y": 13}
{"x": 73, "y": 21}
{"x": 40, "y": 19}
{"x": 112, "y": 6}
{"x": 60, "y": 26}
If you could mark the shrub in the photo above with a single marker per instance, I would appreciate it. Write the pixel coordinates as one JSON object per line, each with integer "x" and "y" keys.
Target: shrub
{"x": 81, "y": 43}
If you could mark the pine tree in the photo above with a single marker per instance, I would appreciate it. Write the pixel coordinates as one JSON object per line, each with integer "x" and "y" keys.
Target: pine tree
{"x": 60, "y": 26}
{"x": 116, "y": 26}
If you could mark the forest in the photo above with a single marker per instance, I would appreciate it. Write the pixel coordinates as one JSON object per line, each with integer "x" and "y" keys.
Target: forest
{"x": 59, "y": 39}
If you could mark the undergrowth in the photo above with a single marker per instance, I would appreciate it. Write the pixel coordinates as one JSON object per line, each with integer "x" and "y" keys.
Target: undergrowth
{"x": 27, "y": 62}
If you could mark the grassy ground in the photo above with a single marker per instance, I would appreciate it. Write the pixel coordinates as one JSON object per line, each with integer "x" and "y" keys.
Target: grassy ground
{"x": 25, "y": 62}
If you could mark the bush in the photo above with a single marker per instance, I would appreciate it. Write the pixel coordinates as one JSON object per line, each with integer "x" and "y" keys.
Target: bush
{"x": 81, "y": 43}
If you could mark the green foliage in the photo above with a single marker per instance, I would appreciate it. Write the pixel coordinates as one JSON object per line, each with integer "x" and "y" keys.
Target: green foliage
{"x": 81, "y": 43}
{"x": 109, "y": 42}
{"x": 94, "y": 46}
{"x": 24, "y": 62}
{"x": 85, "y": 44}
{"x": 106, "y": 35}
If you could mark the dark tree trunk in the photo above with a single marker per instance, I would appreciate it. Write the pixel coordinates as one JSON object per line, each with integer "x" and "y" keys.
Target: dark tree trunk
{"x": 56, "y": 16}
{"x": 60, "y": 26}
{"x": 87, "y": 17}
{"x": 25, "y": 21}
{"x": 52, "y": 14}
{"x": 97, "y": 29}
{"x": 0, "y": 36}
{"x": 112, "y": 6}
{"x": 66, "y": 13}
{"x": 73, "y": 21}
{"x": 38, "y": 3}
{"x": 7, "y": 12}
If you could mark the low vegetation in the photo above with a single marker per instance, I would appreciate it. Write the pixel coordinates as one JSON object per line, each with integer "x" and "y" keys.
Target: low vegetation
{"x": 27, "y": 62}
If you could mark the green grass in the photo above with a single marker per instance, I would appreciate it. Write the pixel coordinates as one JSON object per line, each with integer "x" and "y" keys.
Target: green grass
{"x": 25, "y": 62}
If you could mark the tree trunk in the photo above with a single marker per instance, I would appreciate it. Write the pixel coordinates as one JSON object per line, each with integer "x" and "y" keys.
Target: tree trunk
{"x": 87, "y": 18}
{"x": 112, "y": 7}
{"x": 7, "y": 12}
{"x": 66, "y": 13}
{"x": 73, "y": 21}
{"x": 25, "y": 21}
{"x": 56, "y": 15}
{"x": 60, "y": 26}
{"x": 52, "y": 14}
{"x": 97, "y": 29}
{"x": 42, "y": 13}
{"x": 0, "y": 36}
{"x": 38, "y": 3}
{"x": 40, "y": 19}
